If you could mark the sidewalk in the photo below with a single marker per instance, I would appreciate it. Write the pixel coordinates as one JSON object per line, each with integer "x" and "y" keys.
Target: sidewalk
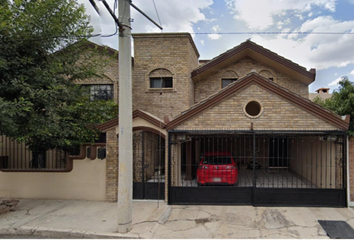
{"x": 152, "y": 219}
{"x": 79, "y": 219}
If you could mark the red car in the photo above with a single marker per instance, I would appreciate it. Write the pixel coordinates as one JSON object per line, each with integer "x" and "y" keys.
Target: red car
{"x": 217, "y": 168}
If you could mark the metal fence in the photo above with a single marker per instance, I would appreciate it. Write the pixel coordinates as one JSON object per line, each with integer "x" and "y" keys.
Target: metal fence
{"x": 15, "y": 156}
{"x": 283, "y": 160}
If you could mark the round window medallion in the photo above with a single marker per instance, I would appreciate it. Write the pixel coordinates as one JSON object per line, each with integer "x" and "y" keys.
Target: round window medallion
{"x": 253, "y": 109}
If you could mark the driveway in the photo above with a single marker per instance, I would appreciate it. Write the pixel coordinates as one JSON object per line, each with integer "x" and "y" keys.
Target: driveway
{"x": 155, "y": 219}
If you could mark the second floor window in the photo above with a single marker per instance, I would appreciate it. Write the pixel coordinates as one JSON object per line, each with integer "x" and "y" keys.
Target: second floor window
{"x": 225, "y": 82}
{"x": 99, "y": 91}
{"x": 161, "y": 82}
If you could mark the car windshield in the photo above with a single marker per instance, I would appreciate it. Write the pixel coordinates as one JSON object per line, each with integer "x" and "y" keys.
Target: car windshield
{"x": 217, "y": 160}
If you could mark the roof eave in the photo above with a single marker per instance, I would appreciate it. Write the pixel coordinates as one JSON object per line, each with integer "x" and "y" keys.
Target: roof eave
{"x": 246, "y": 48}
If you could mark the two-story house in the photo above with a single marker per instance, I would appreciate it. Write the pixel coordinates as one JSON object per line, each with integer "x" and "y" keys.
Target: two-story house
{"x": 236, "y": 129}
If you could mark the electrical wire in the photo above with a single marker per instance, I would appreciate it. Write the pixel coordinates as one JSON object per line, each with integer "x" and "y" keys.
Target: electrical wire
{"x": 115, "y": 6}
{"x": 157, "y": 13}
{"x": 273, "y": 33}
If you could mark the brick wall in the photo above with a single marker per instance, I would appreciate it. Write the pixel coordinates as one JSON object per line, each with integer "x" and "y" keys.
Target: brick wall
{"x": 205, "y": 87}
{"x": 108, "y": 71}
{"x": 278, "y": 114}
{"x": 173, "y": 52}
{"x": 112, "y": 165}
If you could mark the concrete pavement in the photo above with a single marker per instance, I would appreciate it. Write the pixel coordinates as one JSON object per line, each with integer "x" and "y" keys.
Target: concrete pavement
{"x": 152, "y": 219}
{"x": 78, "y": 219}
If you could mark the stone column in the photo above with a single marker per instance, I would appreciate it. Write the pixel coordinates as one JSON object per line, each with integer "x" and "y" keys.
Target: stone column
{"x": 111, "y": 165}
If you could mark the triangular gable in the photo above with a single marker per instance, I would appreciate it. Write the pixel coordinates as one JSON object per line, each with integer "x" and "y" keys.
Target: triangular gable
{"x": 255, "y": 79}
{"x": 258, "y": 53}
{"x": 86, "y": 44}
{"x": 136, "y": 114}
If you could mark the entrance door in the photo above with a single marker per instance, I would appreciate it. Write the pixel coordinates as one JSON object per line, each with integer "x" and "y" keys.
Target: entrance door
{"x": 148, "y": 166}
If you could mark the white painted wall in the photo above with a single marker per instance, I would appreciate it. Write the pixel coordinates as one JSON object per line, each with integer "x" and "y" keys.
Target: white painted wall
{"x": 87, "y": 181}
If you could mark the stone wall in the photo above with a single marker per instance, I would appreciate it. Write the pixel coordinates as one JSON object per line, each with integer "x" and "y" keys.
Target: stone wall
{"x": 175, "y": 53}
{"x": 210, "y": 85}
{"x": 107, "y": 70}
{"x": 277, "y": 114}
{"x": 112, "y": 165}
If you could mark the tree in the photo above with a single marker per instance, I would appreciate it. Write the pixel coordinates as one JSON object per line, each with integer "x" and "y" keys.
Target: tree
{"x": 39, "y": 102}
{"x": 342, "y": 101}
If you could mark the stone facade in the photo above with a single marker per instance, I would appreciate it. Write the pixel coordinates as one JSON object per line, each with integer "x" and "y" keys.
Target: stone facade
{"x": 277, "y": 114}
{"x": 173, "y": 54}
{"x": 212, "y": 84}
{"x": 108, "y": 70}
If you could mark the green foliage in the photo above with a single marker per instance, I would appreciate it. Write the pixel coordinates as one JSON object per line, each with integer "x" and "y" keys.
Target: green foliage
{"x": 341, "y": 102}
{"x": 39, "y": 102}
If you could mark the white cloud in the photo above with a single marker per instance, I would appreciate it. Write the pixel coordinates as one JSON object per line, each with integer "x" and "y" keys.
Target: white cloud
{"x": 335, "y": 82}
{"x": 352, "y": 72}
{"x": 175, "y": 15}
{"x": 202, "y": 42}
{"x": 335, "y": 74}
{"x": 261, "y": 17}
{"x": 215, "y": 36}
{"x": 215, "y": 28}
{"x": 211, "y": 20}
{"x": 319, "y": 51}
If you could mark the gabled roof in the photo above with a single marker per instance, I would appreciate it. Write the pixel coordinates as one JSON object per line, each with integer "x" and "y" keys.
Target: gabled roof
{"x": 254, "y": 78}
{"x": 137, "y": 113}
{"x": 259, "y": 53}
{"x": 84, "y": 43}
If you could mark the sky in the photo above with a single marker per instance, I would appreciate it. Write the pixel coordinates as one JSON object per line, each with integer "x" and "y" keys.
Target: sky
{"x": 219, "y": 25}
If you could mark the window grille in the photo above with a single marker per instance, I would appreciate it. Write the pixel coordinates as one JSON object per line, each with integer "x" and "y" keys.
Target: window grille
{"x": 98, "y": 92}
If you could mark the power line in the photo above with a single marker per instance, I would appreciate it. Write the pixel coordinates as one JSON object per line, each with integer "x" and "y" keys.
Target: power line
{"x": 275, "y": 33}
{"x": 157, "y": 13}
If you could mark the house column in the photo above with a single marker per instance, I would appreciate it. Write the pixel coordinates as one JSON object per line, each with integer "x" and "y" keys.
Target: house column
{"x": 111, "y": 165}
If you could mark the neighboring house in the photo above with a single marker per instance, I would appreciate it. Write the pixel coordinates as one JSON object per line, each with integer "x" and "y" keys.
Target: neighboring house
{"x": 248, "y": 102}
{"x": 322, "y": 93}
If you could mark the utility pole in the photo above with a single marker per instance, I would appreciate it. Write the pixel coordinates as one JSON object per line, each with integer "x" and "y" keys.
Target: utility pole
{"x": 125, "y": 145}
{"x": 125, "y": 173}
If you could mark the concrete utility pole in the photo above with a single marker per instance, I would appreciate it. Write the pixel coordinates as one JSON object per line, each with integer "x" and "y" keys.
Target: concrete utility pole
{"x": 125, "y": 176}
{"x": 125, "y": 146}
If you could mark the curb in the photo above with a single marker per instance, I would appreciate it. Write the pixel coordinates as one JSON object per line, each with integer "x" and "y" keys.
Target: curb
{"x": 63, "y": 233}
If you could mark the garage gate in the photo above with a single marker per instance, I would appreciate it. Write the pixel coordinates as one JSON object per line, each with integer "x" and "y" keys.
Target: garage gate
{"x": 274, "y": 168}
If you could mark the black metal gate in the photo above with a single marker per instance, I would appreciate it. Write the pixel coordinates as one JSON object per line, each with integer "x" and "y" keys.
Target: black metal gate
{"x": 274, "y": 168}
{"x": 148, "y": 166}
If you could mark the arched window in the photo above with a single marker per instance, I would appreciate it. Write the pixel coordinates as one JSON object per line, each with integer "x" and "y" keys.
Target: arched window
{"x": 267, "y": 74}
{"x": 228, "y": 77}
{"x": 161, "y": 78}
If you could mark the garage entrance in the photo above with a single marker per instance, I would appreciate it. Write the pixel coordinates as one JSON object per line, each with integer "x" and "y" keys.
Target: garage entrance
{"x": 271, "y": 168}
